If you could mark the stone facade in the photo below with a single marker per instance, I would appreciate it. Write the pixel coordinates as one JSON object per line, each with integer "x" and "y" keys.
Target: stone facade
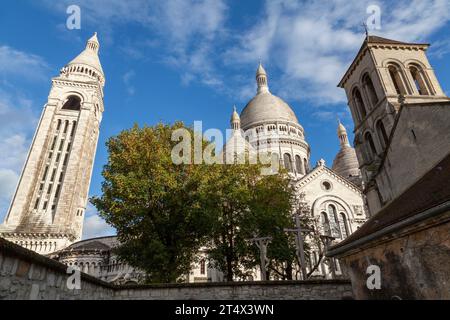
{"x": 384, "y": 76}
{"x": 413, "y": 262}
{"x": 270, "y": 126}
{"x": 422, "y": 131}
{"x": 25, "y": 275}
{"x": 407, "y": 236}
{"x": 47, "y": 210}
{"x": 96, "y": 257}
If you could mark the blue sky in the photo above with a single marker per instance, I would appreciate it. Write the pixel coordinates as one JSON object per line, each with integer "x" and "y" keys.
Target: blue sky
{"x": 193, "y": 60}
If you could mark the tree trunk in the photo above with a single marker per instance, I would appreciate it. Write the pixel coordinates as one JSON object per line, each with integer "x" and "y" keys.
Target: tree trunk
{"x": 229, "y": 269}
{"x": 289, "y": 271}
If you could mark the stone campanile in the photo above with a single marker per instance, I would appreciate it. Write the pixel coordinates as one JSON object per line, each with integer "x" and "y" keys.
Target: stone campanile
{"x": 47, "y": 210}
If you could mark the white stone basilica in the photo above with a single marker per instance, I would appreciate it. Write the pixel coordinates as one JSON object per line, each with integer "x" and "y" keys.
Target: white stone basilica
{"x": 47, "y": 210}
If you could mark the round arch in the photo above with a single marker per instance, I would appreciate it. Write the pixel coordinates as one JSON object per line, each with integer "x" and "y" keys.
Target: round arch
{"x": 385, "y": 63}
{"x": 69, "y": 94}
{"x": 315, "y": 208}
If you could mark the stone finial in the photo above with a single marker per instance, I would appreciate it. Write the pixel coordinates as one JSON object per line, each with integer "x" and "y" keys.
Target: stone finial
{"x": 261, "y": 79}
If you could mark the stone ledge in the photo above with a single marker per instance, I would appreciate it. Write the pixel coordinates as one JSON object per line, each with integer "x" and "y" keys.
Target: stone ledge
{"x": 236, "y": 284}
{"x": 24, "y": 271}
{"x": 10, "y": 249}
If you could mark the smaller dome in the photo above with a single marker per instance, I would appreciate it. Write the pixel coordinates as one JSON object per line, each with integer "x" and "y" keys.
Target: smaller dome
{"x": 235, "y": 115}
{"x": 346, "y": 164}
{"x": 341, "y": 129}
{"x": 237, "y": 148}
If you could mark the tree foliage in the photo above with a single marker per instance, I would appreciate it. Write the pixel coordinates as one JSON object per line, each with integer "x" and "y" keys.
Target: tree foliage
{"x": 157, "y": 208}
{"x": 165, "y": 212}
{"x": 248, "y": 204}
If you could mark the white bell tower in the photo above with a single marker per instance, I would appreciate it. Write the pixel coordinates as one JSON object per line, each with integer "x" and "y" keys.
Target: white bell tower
{"x": 47, "y": 210}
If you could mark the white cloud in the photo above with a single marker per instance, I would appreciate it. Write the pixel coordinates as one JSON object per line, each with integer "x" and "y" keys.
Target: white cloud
{"x": 8, "y": 180}
{"x": 187, "y": 29}
{"x": 95, "y": 226}
{"x": 440, "y": 48}
{"x": 127, "y": 78}
{"x": 18, "y": 63}
{"x": 17, "y": 125}
{"x": 307, "y": 44}
{"x": 311, "y": 43}
{"x": 17, "y": 119}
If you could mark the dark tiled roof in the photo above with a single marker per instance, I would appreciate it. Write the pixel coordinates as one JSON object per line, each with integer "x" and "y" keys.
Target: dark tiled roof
{"x": 431, "y": 190}
{"x": 100, "y": 243}
{"x": 95, "y": 245}
{"x": 380, "y": 40}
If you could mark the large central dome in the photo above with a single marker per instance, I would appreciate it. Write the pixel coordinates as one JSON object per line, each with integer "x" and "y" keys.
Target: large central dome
{"x": 266, "y": 107}
{"x": 270, "y": 126}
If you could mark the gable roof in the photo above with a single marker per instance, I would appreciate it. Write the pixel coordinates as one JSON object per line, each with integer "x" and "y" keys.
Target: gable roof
{"x": 312, "y": 175}
{"x": 381, "y": 40}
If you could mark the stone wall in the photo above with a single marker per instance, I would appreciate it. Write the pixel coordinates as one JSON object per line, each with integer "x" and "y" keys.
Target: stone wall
{"x": 26, "y": 275}
{"x": 263, "y": 290}
{"x": 414, "y": 263}
{"x": 421, "y": 140}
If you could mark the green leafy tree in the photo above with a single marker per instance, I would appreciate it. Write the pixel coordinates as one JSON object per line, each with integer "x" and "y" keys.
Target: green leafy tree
{"x": 247, "y": 204}
{"x": 158, "y": 208}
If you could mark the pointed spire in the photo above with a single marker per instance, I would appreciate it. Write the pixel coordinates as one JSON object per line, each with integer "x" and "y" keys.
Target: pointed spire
{"x": 261, "y": 70}
{"x": 342, "y": 135}
{"x": 93, "y": 44}
{"x": 235, "y": 120}
{"x": 261, "y": 79}
{"x": 88, "y": 58}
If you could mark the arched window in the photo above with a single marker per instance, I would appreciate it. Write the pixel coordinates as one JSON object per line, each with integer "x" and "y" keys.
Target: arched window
{"x": 203, "y": 267}
{"x": 325, "y": 224}
{"x": 66, "y": 126}
{"x": 359, "y": 103}
{"x": 370, "y": 90}
{"x": 371, "y": 145}
{"x": 344, "y": 225}
{"x": 382, "y": 134}
{"x": 74, "y": 126}
{"x": 336, "y": 230}
{"x": 419, "y": 80}
{"x": 396, "y": 78}
{"x": 298, "y": 164}
{"x": 72, "y": 103}
{"x": 288, "y": 162}
{"x": 305, "y": 163}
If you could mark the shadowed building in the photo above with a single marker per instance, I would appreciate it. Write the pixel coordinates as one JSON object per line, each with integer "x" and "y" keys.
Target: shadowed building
{"x": 402, "y": 139}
